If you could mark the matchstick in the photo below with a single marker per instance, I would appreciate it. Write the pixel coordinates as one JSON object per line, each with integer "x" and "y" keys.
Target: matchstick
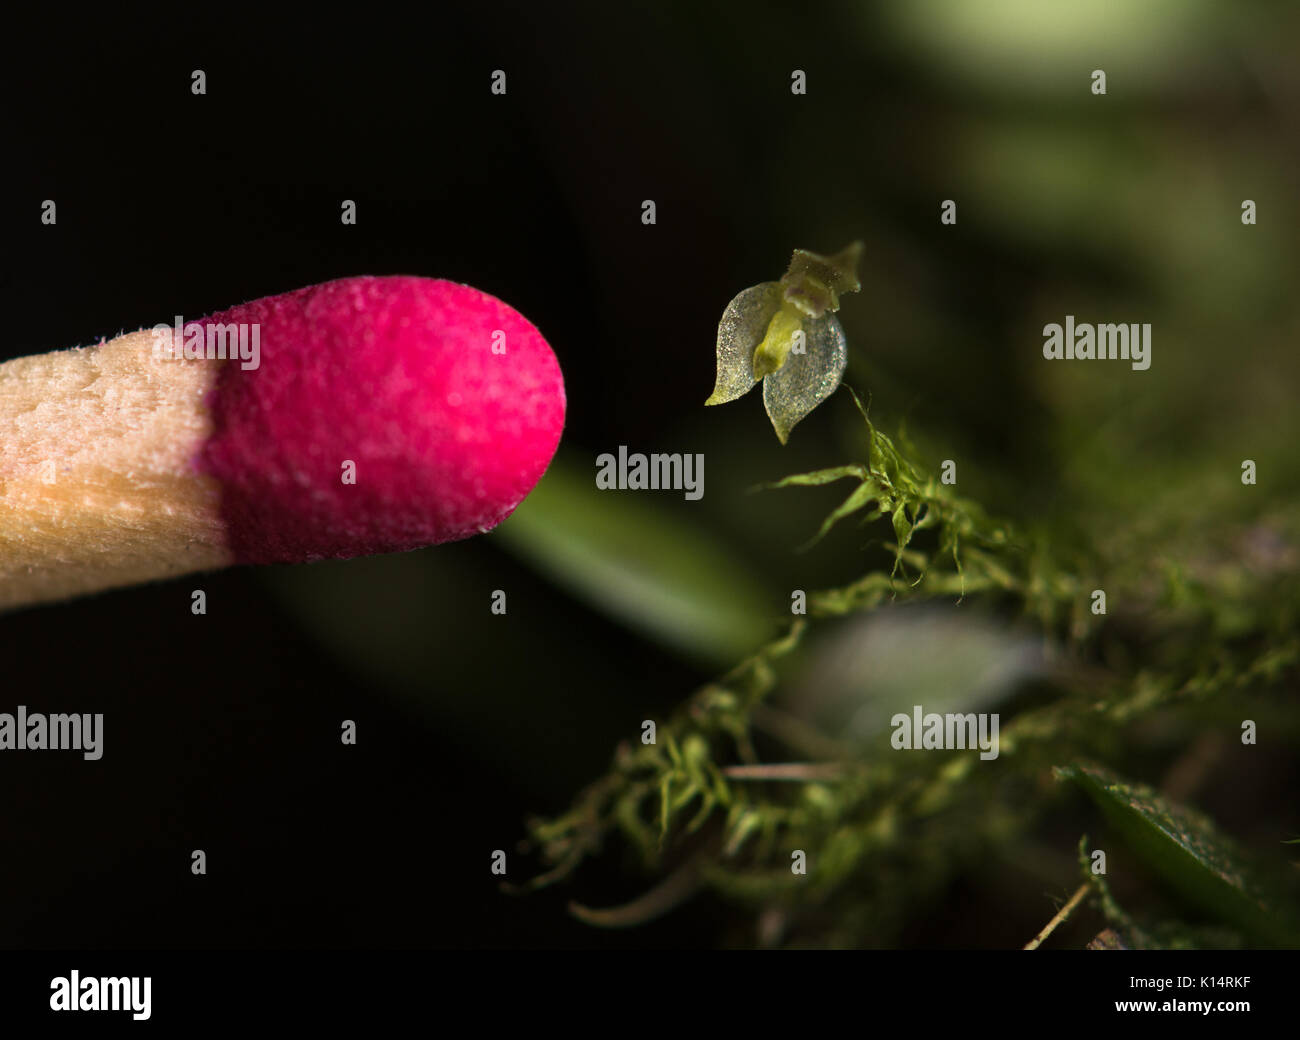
{"x": 364, "y": 415}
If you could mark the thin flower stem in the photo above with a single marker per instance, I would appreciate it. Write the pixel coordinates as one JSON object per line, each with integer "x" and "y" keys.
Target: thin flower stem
{"x": 1061, "y": 916}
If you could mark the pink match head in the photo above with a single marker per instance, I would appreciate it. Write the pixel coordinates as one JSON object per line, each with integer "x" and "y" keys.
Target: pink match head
{"x": 448, "y": 403}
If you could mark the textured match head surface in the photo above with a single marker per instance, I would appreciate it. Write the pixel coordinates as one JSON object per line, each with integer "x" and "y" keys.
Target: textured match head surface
{"x": 398, "y": 376}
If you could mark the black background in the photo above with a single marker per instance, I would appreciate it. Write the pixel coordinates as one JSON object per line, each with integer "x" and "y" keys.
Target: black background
{"x": 221, "y": 732}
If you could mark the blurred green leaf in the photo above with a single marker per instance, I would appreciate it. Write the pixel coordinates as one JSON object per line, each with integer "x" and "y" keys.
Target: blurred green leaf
{"x": 628, "y": 555}
{"x": 1186, "y": 850}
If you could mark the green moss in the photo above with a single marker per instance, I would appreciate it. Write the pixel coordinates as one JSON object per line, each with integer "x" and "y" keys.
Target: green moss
{"x": 882, "y": 832}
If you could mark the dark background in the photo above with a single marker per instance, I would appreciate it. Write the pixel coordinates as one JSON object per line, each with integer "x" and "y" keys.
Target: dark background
{"x": 221, "y": 732}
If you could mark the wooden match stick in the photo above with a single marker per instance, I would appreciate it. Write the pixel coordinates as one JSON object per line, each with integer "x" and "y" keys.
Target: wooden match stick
{"x": 360, "y": 416}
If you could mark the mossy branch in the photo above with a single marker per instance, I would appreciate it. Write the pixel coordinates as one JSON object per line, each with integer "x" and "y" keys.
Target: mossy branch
{"x": 912, "y": 820}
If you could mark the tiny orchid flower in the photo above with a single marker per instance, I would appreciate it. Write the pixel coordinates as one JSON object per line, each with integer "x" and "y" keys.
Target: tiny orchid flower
{"x": 786, "y": 334}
